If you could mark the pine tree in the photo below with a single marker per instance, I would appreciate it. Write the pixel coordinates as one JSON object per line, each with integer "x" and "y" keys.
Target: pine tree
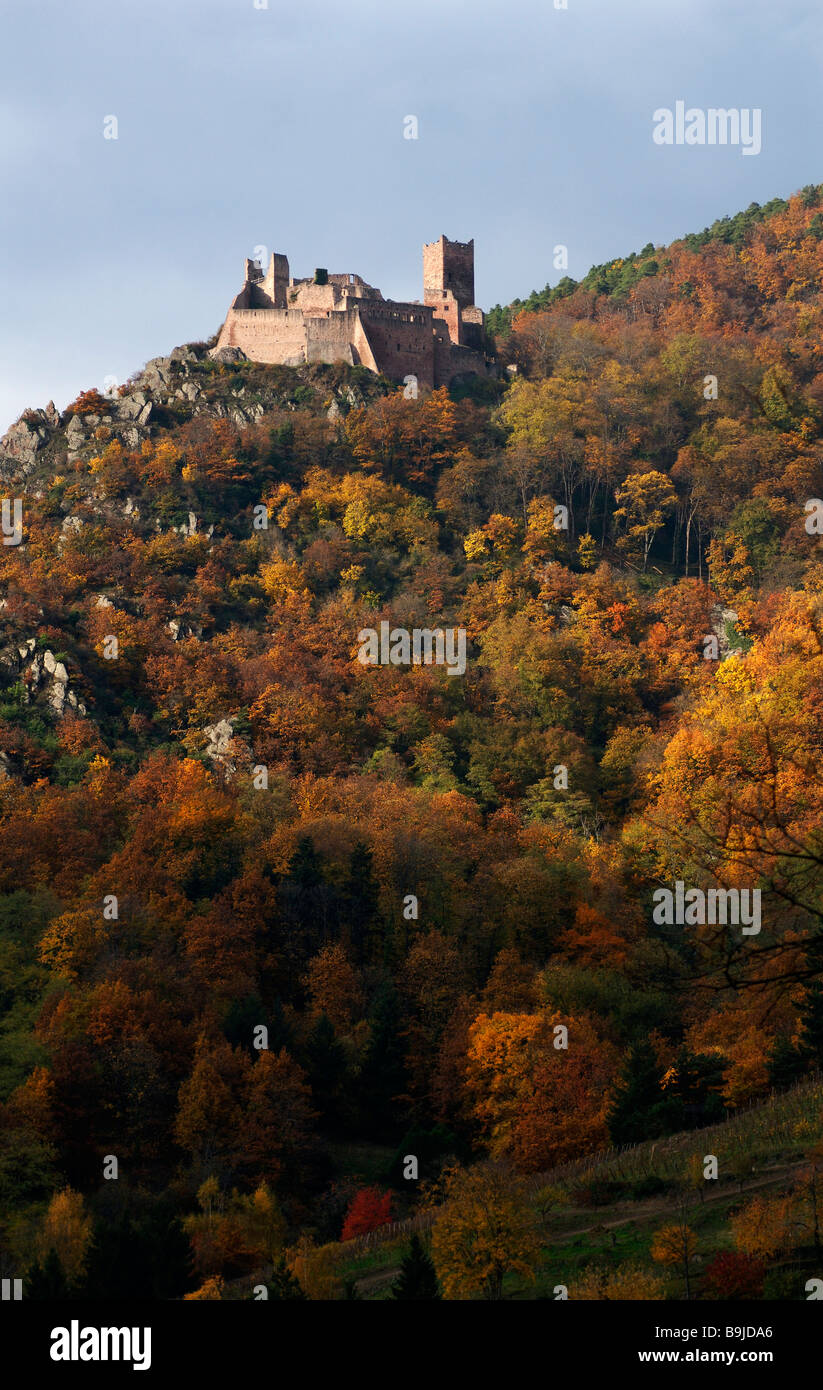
{"x": 785, "y": 1064}
{"x": 360, "y": 901}
{"x": 811, "y": 1025}
{"x": 326, "y": 1066}
{"x": 637, "y": 1109}
{"x": 47, "y": 1281}
{"x": 170, "y": 1256}
{"x": 309, "y": 906}
{"x": 283, "y": 1284}
{"x": 119, "y": 1263}
{"x": 696, "y": 1089}
{"x": 417, "y": 1278}
{"x": 304, "y": 865}
{"x": 383, "y": 1074}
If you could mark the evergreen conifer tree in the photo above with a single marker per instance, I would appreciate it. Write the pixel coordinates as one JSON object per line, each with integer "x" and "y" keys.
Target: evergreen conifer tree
{"x": 417, "y": 1278}
{"x": 47, "y": 1281}
{"x": 283, "y": 1284}
{"x": 811, "y": 1025}
{"x": 785, "y": 1064}
{"x": 637, "y": 1107}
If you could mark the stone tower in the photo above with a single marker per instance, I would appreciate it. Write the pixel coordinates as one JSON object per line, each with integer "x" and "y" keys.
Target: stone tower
{"x": 277, "y": 280}
{"x": 449, "y": 265}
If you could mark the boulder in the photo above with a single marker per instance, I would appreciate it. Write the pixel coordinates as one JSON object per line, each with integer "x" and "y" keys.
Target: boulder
{"x": 229, "y": 354}
{"x": 220, "y": 736}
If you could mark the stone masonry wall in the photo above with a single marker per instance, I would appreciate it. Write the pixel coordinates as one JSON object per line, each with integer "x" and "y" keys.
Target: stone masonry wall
{"x": 401, "y": 339}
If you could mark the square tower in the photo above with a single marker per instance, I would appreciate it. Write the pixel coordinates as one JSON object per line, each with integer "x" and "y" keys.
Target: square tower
{"x": 448, "y": 266}
{"x": 277, "y": 280}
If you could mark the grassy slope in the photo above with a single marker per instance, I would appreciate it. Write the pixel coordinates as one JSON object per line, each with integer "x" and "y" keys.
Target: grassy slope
{"x": 771, "y": 1140}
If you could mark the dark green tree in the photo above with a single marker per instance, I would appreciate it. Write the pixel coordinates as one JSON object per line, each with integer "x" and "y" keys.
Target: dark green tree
{"x": 309, "y": 909}
{"x": 47, "y": 1281}
{"x": 383, "y": 1074}
{"x": 283, "y": 1283}
{"x": 430, "y": 1147}
{"x": 326, "y": 1065}
{"x": 694, "y": 1098}
{"x": 118, "y": 1263}
{"x": 785, "y": 1064}
{"x": 417, "y": 1278}
{"x": 145, "y": 1256}
{"x": 304, "y": 865}
{"x": 360, "y": 903}
{"x": 638, "y": 1110}
{"x": 811, "y": 1025}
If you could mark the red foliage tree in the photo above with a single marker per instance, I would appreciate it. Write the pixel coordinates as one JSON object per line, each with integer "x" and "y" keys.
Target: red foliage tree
{"x": 732, "y": 1274}
{"x": 368, "y": 1209}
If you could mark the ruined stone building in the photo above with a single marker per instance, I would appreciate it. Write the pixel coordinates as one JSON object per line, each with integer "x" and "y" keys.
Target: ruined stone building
{"x": 333, "y": 318}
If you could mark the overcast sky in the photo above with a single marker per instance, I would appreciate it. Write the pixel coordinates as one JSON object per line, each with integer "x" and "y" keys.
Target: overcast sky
{"x": 283, "y": 127}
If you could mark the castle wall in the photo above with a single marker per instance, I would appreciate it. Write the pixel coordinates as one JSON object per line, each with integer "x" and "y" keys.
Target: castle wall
{"x": 290, "y": 337}
{"x": 330, "y": 339}
{"x": 401, "y": 338}
{"x": 362, "y": 348}
{"x": 446, "y": 308}
{"x": 266, "y": 335}
{"x": 315, "y": 299}
{"x": 462, "y": 361}
{"x": 472, "y": 328}
{"x": 442, "y": 353}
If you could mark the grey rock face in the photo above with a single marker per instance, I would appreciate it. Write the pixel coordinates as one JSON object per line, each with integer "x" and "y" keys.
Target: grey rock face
{"x": 229, "y": 354}
{"x": 219, "y": 737}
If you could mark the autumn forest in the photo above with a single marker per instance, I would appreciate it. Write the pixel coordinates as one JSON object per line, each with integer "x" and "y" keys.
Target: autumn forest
{"x": 322, "y": 979}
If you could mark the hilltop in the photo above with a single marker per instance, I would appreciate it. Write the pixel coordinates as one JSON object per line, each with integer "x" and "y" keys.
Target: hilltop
{"x": 732, "y": 237}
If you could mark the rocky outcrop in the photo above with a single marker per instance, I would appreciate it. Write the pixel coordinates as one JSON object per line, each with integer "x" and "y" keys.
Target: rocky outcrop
{"x": 49, "y": 676}
{"x": 42, "y": 675}
{"x": 181, "y": 631}
{"x": 228, "y": 354}
{"x": 182, "y": 385}
{"x": 23, "y": 441}
{"x": 220, "y": 737}
{"x": 721, "y": 618}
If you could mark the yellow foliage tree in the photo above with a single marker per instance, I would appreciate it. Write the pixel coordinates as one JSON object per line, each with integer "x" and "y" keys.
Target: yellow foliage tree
{"x": 211, "y": 1290}
{"x": 676, "y": 1244}
{"x": 762, "y": 1227}
{"x": 539, "y": 1102}
{"x": 485, "y": 1229}
{"x": 66, "y": 1230}
{"x": 317, "y": 1270}
{"x": 645, "y": 499}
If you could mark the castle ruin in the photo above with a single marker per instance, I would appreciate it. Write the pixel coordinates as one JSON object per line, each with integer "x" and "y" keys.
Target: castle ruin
{"x": 340, "y": 318}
